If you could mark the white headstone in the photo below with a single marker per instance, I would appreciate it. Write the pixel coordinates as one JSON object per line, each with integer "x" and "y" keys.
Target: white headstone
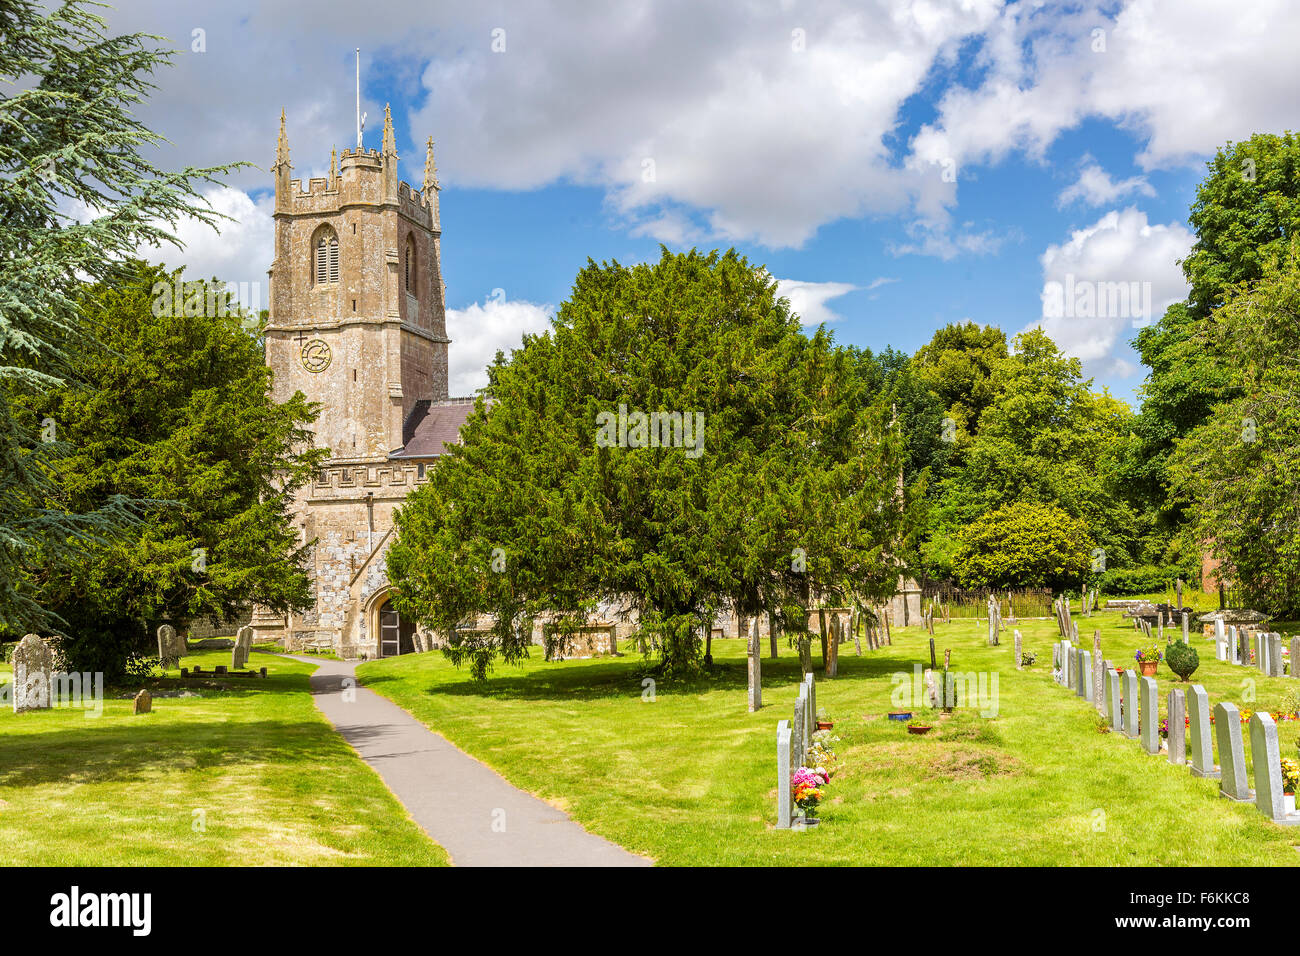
{"x": 783, "y": 772}
{"x": 1150, "y": 715}
{"x": 1130, "y": 704}
{"x": 1268, "y": 770}
{"x": 1198, "y": 733}
{"x": 1177, "y": 727}
{"x": 1232, "y": 753}
{"x": 33, "y": 667}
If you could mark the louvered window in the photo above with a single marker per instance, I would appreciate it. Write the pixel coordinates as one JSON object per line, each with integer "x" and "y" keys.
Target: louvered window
{"x": 327, "y": 259}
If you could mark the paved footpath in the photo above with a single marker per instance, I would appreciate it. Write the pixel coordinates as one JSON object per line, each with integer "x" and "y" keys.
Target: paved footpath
{"x": 462, "y": 804}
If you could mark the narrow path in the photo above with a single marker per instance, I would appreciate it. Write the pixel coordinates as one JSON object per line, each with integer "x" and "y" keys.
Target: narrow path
{"x": 465, "y": 806}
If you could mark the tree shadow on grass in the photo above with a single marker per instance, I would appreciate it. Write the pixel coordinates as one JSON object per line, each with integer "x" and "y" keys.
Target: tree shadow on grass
{"x": 149, "y": 747}
{"x": 622, "y": 677}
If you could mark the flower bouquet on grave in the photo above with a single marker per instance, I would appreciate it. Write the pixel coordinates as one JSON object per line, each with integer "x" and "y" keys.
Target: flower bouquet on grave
{"x": 1290, "y": 780}
{"x": 1245, "y": 715}
{"x": 1164, "y": 727}
{"x": 806, "y": 786}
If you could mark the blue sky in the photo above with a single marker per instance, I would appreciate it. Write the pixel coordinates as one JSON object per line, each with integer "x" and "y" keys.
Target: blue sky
{"x": 897, "y": 165}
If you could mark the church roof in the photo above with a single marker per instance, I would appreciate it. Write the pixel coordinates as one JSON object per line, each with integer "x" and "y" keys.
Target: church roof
{"x": 432, "y": 427}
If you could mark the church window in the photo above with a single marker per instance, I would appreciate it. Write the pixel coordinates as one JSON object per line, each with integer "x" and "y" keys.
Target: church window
{"x": 325, "y": 267}
{"x": 410, "y": 265}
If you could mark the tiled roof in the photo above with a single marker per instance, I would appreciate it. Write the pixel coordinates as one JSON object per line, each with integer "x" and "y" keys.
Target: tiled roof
{"x": 432, "y": 427}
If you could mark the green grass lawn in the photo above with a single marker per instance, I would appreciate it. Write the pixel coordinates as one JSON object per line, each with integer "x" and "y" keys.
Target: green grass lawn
{"x": 272, "y": 781}
{"x": 690, "y": 778}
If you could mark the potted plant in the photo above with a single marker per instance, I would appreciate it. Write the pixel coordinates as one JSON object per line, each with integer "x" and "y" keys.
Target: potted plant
{"x": 822, "y": 722}
{"x": 917, "y": 727}
{"x": 1148, "y": 659}
{"x": 1027, "y": 658}
{"x": 1290, "y": 778}
{"x": 807, "y": 790}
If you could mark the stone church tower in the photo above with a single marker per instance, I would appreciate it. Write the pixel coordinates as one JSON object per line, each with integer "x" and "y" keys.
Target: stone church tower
{"x": 358, "y": 323}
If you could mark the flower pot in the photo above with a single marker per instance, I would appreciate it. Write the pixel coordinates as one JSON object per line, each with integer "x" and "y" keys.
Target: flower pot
{"x": 1288, "y": 802}
{"x": 825, "y": 724}
{"x": 918, "y": 730}
{"x": 1148, "y": 668}
{"x": 900, "y": 715}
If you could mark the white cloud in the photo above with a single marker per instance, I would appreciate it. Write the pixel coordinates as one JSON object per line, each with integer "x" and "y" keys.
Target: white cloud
{"x": 478, "y": 332}
{"x": 239, "y": 254}
{"x": 1184, "y": 76}
{"x": 1095, "y": 188}
{"x": 1108, "y": 279}
{"x": 808, "y": 299}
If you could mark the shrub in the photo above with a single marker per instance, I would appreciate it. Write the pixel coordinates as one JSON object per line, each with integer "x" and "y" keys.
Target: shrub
{"x": 1023, "y": 544}
{"x": 1147, "y": 579}
{"x": 1182, "y": 659}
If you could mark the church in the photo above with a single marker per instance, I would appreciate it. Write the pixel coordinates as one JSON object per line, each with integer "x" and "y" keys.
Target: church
{"x": 358, "y": 323}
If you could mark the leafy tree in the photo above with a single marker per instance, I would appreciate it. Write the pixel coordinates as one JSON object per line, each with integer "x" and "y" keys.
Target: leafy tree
{"x": 174, "y": 410}
{"x": 1045, "y": 439}
{"x": 791, "y": 494}
{"x": 1245, "y": 213}
{"x": 1023, "y": 544}
{"x": 959, "y": 365}
{"x": 70, "y": 142}
{"x": 1239, "y": 472}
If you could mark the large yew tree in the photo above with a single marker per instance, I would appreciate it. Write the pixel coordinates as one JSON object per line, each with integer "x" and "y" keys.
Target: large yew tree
{"x": 792, "y": 495}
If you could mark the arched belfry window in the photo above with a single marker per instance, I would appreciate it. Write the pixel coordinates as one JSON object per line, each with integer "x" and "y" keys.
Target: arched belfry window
{"x": 325, "y": 267}
{"x": 410, "y": 265}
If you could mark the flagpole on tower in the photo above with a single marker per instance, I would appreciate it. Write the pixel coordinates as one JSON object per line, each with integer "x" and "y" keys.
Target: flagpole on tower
{"x": 358, "y": 99}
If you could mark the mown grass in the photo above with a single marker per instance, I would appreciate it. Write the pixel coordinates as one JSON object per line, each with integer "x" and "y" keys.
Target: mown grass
{"x": 689, "y": 777}
{"x": 253, "y": 775}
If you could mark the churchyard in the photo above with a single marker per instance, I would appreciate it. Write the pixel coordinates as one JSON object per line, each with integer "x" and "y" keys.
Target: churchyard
{"x": 684, "y": 774}
{"x": 242, "y": 772}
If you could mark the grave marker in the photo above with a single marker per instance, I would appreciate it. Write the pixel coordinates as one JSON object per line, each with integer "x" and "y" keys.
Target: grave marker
{"x": 1019, "y": 654}
{"x": 1198, "y": 712}
{"x": 1098, "y": 673}
{"x": 1085, "y": 676}
{"x": 755, "y": 668}
{"x": 1277, "y": 667}
{"x": 1232, "y": 753}
{"x": 1268, "y": 770}
{"x": 783, "y": 772}
{"x": 171, "y": 646}
{"x": 1112, "y": 697}
{"x": 1129, "y": 705}
{"x": 33, "y": 667}
{"x": 1177, "y": 727}
{"x": 799, "y": 732}
{"x": 1150, "y": 715}
{"x": 1295, "y": 654}
{"x": 143, "y": 702}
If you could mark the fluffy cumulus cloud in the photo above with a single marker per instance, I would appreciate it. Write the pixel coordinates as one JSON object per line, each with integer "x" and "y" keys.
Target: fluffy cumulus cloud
{"x": 1094, "y": 187}
{"x": 1184, "y": 75}
{"x": 808, "y": 299}
{"x": 480, "y": 331}
{"x": 1107, "y": 280}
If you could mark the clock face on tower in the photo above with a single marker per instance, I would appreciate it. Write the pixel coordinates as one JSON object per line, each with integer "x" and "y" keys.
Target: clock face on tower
{"x": 316, "y": 356}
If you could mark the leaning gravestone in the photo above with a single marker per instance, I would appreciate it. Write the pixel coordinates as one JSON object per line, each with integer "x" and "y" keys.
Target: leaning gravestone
{"x": 1150, "y": 716}
{"x": 143, "y": 702}
{"x": 1268, "y": 770}
{"x": 243, "y": 644}
{"x": 1198, "y": 733}
{"x": 33, "y": 665}
{"x": 171, "y": 646}
{"x": 1177, "y": 727}
{"x": 1232, "y": 753}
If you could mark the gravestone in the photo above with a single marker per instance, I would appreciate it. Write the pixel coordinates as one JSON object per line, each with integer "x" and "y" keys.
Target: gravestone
{"x": 1244, "y": 652}
{"x": 1150, "y": 715}
{"x": 1234, "y": 646}
{"x": 33, "y": 667}
{"x": 1220, "y": 644}
{"x": 1295, "y": 654}
{"x": 1071, "y": 666}
{"x": 1232, "y": 753}
{"x": 783, "y": 772}
{"x": 1098, "y": 672}
{"x": 1186, "y": 625}
{"x": 1019, "y": 653}
{"x": 171, "y": 646}
{"x": 812, "y": 698}
{"x": 755, "y": 668}
{"x": 1220, "y": 635}
{"x": 1268, "y": 770}
{"x": 1277, "y": 666}
{"x": 799, "y": 730}
{"x": 1085, "y": 676}
{"x": 1263, "y": 642}
{"x": 1198, "y": 733}
{"x": 931, "y": 690}
{"x": 1112, "y": 697}
{"x": 1129, "y": 705}
{"x": 1177, "y": 726}
{"x": 243, "y": 644}
{"x": 143, "y": 702}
